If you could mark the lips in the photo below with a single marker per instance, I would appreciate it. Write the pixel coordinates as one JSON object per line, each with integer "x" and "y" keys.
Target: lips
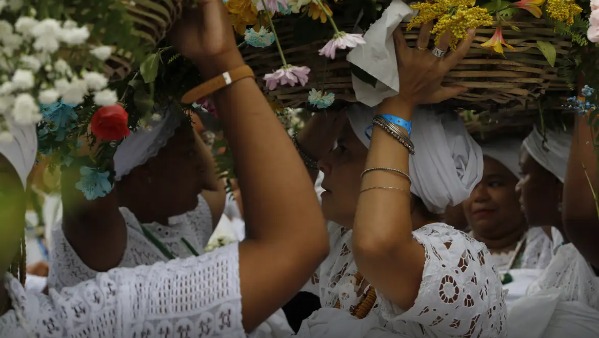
{"x": 482, "y": 213}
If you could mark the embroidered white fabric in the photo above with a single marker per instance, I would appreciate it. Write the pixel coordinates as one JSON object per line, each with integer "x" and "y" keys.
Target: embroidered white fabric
{"x": 67, "y": 269}
{"x": 460, "y": 295}
{"x": 538, "y": 250}
{"x": 192, "y": 297}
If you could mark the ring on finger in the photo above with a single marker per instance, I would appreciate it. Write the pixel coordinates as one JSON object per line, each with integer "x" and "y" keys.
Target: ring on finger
{"x": 438, "y": 52}
{"x": 422, "y": 49}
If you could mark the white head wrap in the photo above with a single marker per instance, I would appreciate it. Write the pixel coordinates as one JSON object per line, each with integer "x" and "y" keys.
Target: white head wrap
{"x": 550, "y": 152}
{"x": 145, "y": 143}
{"x": 21, "y": 151}
{"x": 506, "y": 151}
{"x": 448, "y": 163}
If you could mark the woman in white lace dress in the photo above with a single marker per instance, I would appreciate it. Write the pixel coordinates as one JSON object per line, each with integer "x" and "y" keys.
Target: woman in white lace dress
{"x": 394, "y": 269}
{"x": 224, "y": 293}
{"x": 170, "y": 195}
{"x": 564, "y": 300}
{"x": 494, "y": 215}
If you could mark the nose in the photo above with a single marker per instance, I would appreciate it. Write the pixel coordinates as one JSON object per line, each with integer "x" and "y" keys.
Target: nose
{"x": 324, "y": 164}
{"x": 480, "y": 193}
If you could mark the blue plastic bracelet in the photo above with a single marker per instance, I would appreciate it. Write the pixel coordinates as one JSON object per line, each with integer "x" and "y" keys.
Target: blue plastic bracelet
{"x": 398, "y": 121}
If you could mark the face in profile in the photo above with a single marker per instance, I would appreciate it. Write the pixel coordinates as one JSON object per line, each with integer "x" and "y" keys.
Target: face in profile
{"x": 539, "y": 192}
{"x": 492, "y": 210}
{"x": 12, "y": 212}
{"x": 342, "y": 167}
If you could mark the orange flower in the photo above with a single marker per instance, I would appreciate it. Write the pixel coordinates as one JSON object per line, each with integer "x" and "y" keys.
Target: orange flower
{"x": 316, "y": 12}
{"x": 533, "y": 6}
{"x": 242, "y": 13}
{"x": 496, "y": 42}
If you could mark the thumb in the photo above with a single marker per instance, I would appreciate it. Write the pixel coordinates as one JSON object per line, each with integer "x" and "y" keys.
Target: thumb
{"x": 446, "y": 93}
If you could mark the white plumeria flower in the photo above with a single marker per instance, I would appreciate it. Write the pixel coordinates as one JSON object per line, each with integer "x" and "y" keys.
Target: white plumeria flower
{"x": 95, "y": 81}
{"x": 25, "y": 24}
{"x": 23, "y": 79}
{"x": 30, "y": 62}
{"x": 74, "y": 92}
{"x": 105, "y": 97}
{"x": 75, "y": 36}
{"x": 48, "y": 96}
{"x": 47, "y": 33}
{"x": 102, "y": 52}
{"x": 25, "y": 110}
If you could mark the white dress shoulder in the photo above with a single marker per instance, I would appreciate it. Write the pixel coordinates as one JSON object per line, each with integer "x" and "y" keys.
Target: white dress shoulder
{"x": 460, "y": 294}
{"x": 192, "y": 297}
{"x": 185, "y": 234}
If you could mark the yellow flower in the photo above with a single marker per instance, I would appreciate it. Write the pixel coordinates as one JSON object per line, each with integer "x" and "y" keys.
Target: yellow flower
{"x": 563, "y": 10}
{"x": 242, "y": 13}
{"x": 316, "y": 12}
{"x": 496, "y": 42}
{"x": 453, "y": 16}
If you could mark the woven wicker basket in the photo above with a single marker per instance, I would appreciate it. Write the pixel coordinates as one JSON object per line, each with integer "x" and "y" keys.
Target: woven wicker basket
{"x": 151, "y": 20}
{"x": 522, "y": 75}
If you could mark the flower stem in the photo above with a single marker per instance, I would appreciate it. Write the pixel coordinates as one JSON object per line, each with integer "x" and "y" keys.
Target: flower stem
{"x": 319, "y": 3}
{"x": 274, "y": 31}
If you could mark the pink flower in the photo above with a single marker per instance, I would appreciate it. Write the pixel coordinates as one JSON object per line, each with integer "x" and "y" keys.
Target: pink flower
{"x": 288, "y": 74}
{"x": 594, "y": 18}
{"x": 341, "y": 40}
{"x": 593, "y": 34}
{"x": 271, "y": 5}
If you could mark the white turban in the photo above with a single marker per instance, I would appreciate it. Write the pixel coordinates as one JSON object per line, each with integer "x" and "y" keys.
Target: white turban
{"x": 550, "y": 152}
{"x": 145, "y": 143}
{"x": 506, "y": 151}
{"x": 21, "y": 151}
{"x": 448, "y": 163}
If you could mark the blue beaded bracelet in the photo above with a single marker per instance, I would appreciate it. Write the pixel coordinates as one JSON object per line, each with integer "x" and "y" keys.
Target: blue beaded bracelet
{"x": 398, "y": 121}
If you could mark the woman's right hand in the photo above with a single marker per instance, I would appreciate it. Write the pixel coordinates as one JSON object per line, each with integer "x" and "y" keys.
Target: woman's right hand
{"x": 318, "y": 137}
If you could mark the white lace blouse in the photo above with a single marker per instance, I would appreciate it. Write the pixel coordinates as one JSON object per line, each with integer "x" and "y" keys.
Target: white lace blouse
{"x": 192, "y": 297}
{"x": 185, "y": 234}
{"x": 460, "y": 294}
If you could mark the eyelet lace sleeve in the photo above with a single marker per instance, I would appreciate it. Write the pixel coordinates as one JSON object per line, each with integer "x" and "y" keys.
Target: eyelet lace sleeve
{"x": 192, "y": 297}
{"x": 460, "y": 294}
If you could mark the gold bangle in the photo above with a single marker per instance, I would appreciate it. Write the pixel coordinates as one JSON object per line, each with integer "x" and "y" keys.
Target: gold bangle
{"x": 217, "y": 83}
{"x": 397, "y": 171}
{"x": 384, "y": 188}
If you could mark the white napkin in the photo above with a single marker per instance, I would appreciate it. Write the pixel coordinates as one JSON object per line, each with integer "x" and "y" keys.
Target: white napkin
{"x": 377, "y": 56}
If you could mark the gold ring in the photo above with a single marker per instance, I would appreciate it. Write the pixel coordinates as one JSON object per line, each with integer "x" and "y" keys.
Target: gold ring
{"x": 422, "y": 49}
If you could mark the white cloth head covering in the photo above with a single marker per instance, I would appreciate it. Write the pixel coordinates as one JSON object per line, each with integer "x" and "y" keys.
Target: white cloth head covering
{"x": 145, "y": 143}
{"x": 448, "y": 163}
{"x": 506, "y": 151}
{"x": 550, "y": 152}
{"x": 21, "y": 151}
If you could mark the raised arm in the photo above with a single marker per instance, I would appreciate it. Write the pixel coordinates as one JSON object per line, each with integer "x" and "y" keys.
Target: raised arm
{"x": 581, "y": 221}
{"x": 213, "y": 188}
{"x": 286, "y": 236}
{"x": 385, "y": 251}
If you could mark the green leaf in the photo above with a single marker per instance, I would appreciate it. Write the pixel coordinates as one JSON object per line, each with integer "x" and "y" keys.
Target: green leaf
{"x": 548, "y": 51}
{"x": 144, "y": 101}
{"x": 149, "y": 68}
{"x": 515, "y": 28}
{"x": 362, "y": 75}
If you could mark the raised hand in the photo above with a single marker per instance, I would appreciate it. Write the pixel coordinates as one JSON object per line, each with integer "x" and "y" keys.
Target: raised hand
{"x": 204, "y": 35}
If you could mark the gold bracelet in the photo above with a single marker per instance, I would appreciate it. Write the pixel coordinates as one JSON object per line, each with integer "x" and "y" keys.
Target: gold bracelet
{"x": 384, "y": 188}
{"x": 217, "y": 83}
{"x": 394, "y": 132}
{"x": 397, "y": 171}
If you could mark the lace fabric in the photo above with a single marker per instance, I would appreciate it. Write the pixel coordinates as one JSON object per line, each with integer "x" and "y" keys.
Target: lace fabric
{"x": 460, "y": 294}
{"x": 538, "y": 251}
{"x": 197, "y": 296}
{"x": 67, "y": 269}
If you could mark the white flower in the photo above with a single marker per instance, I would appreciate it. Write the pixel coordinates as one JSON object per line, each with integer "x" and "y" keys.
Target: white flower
{"x": 6, "y": 103}
{"x": 7, "y": 88}
{"x": 12, "y": 41}
{"x": 95, "y": 81}
{"x": 2, "y": 5}
{"x": 102, "y": 52}
{"x": 105, "y": 97}
{"x": 23, "y": 79}
{"x": 62, "y": 67}
{"x": 61, "y": 85}
{"x": 26, "y": 110}
{"x": 74, "y": 92}
{"x": 30, "y": 62}
{"x": 48, "y": 96}
{"x": 75, "y": 36}
{"x": 156, "y": 117}
{"x": 69, "y": 24}
{"x": 6, "y": 137}
{"x": 5, "y": 28}
{"x": 25, "y": 25}
{"x": 47, "y": 33}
